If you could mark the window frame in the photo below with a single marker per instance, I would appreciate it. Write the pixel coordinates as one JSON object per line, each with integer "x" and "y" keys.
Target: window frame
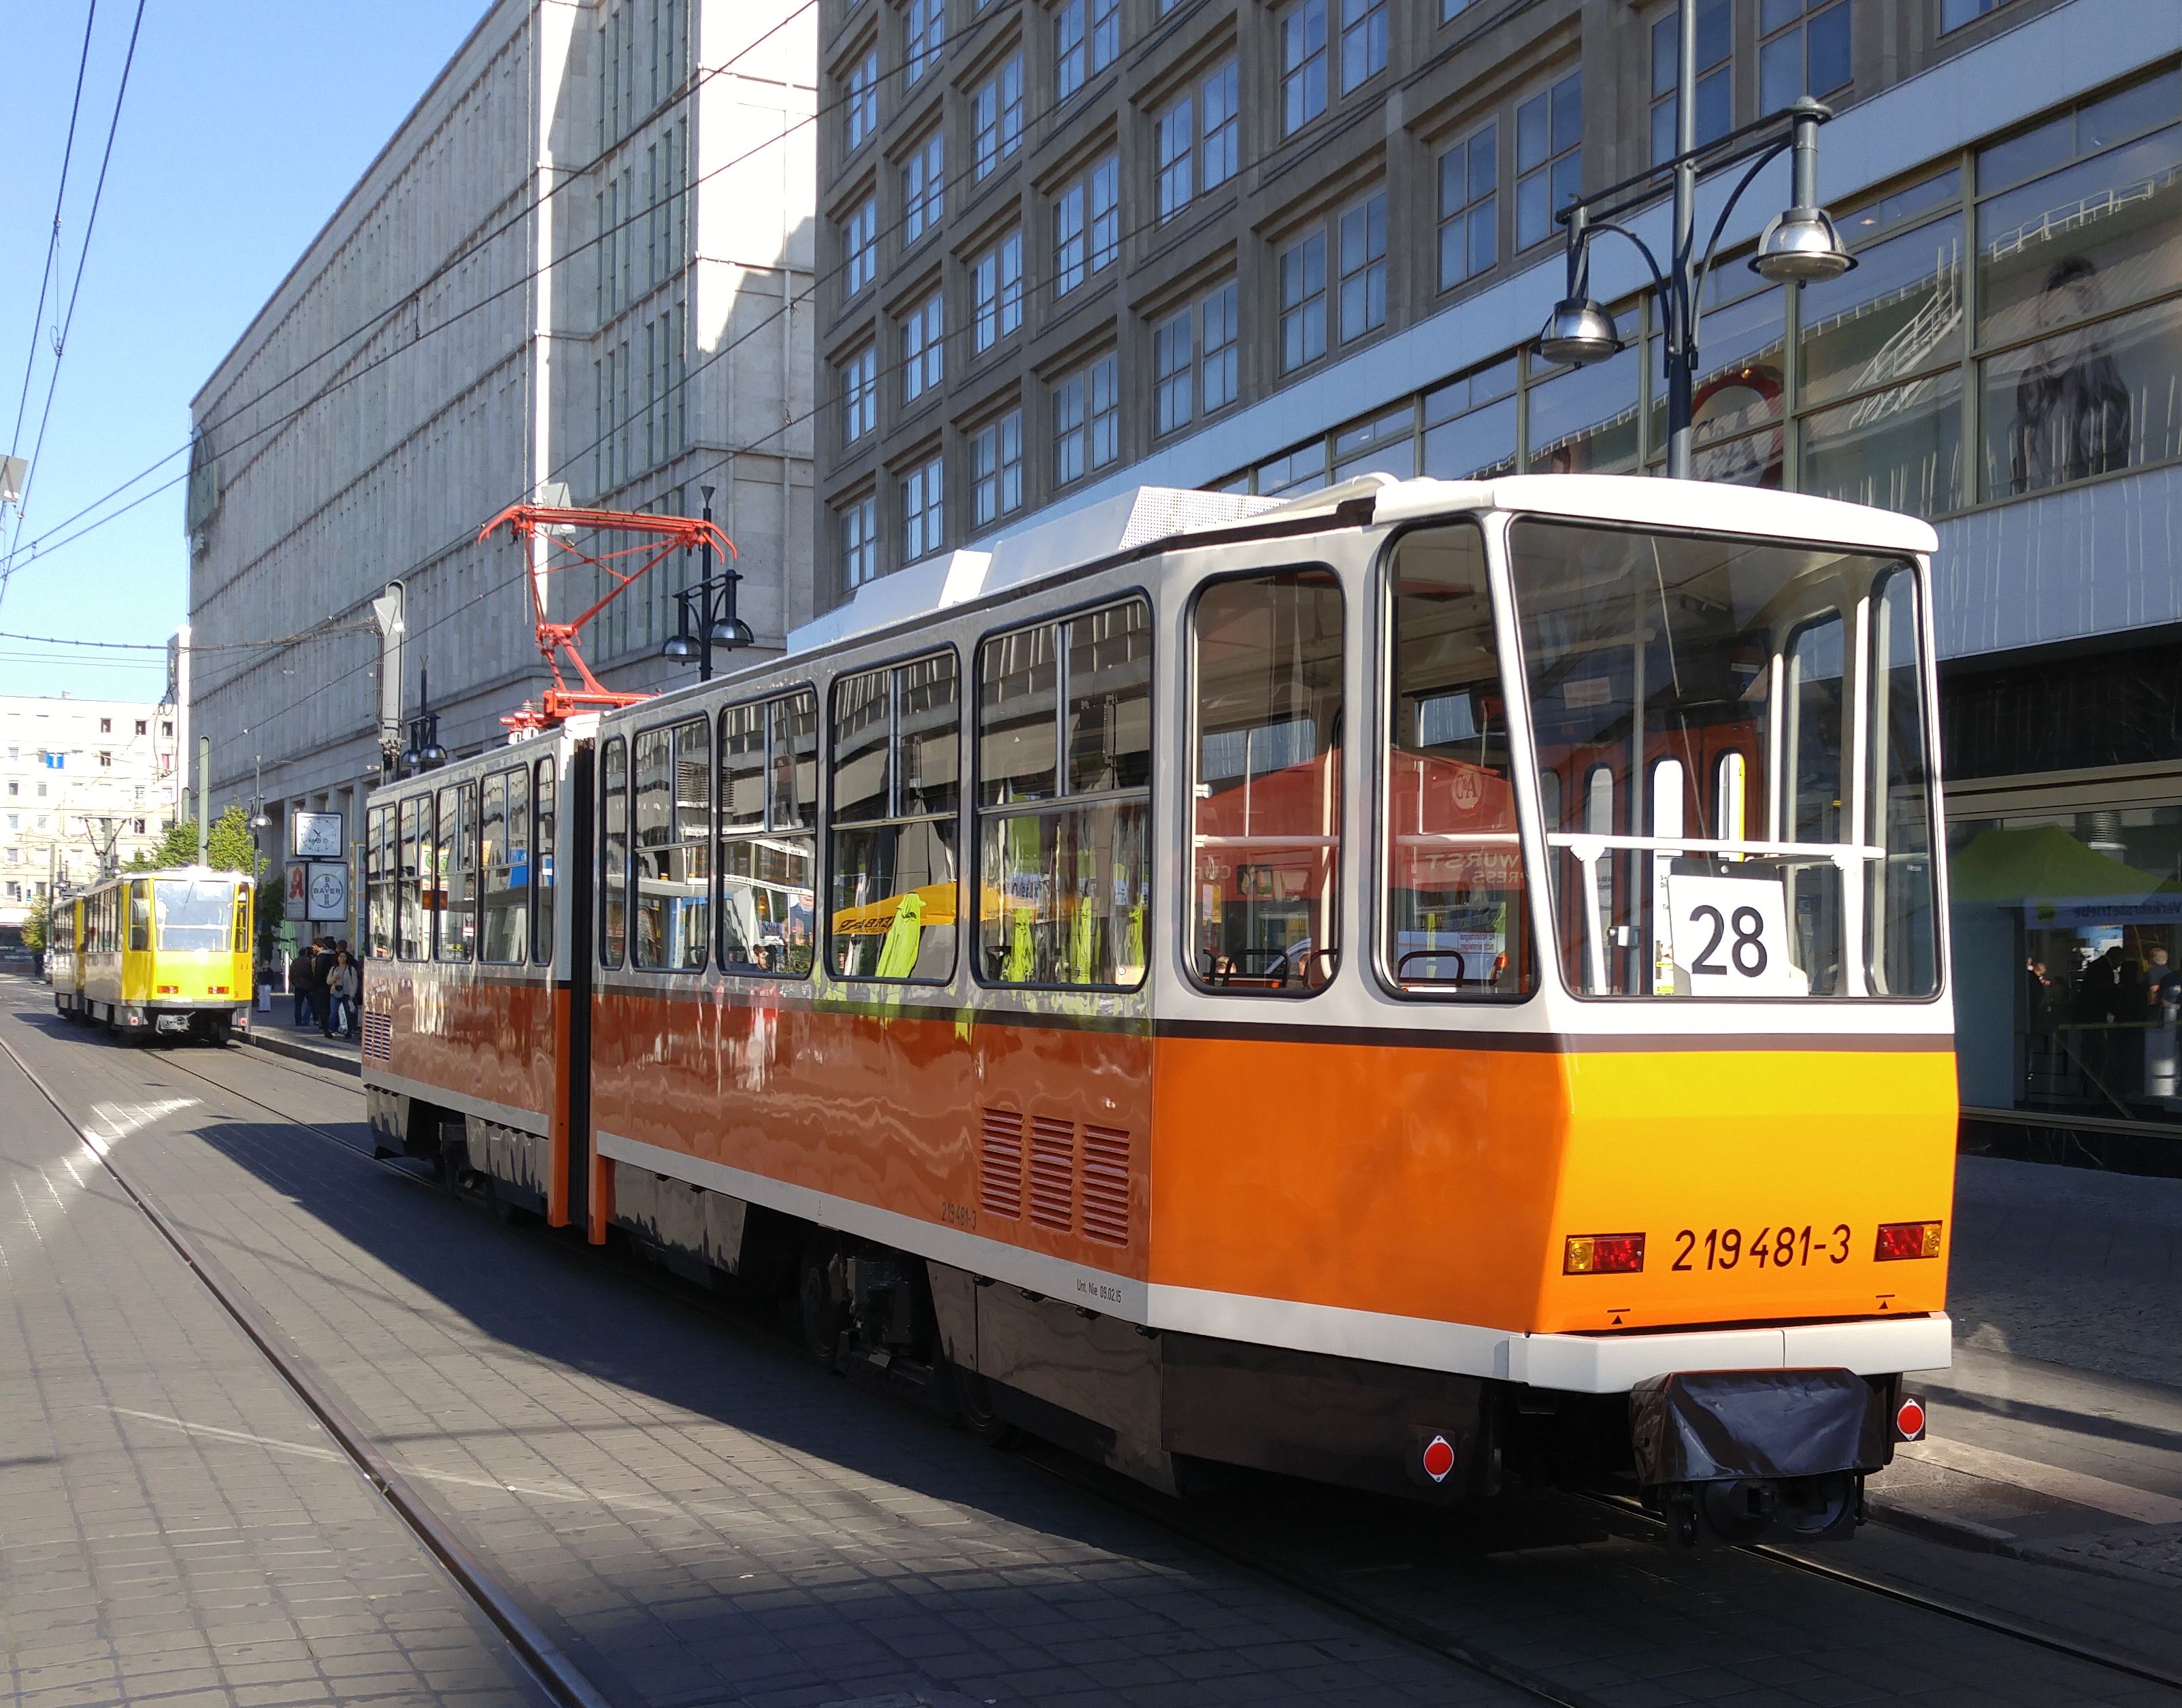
{"x": 973, "y": 778}
{"x": 821, "y": 805}
{"x": 672, "y": 731}
{"x": 602, "y": 831}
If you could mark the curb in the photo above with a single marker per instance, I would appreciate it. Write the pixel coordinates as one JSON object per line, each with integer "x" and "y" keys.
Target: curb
{"x": 274, "y": 1044}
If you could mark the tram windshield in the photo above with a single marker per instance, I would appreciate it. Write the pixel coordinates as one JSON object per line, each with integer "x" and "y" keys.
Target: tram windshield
{"x": 1732, "y": 763}
{"x": 193, "y": 912}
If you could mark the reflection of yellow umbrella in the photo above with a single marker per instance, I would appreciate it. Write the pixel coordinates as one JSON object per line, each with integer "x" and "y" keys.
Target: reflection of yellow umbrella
{"x": 2010, "y": 867}
{"x": 898, "y": 954}
{"x": 1018, "y": 967}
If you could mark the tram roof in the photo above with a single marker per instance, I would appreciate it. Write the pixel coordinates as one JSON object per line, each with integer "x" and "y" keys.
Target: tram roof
{"x": 1146, "y": 517}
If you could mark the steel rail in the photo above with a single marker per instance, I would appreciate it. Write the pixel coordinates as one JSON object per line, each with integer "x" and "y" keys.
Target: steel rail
{"x": 540, "y": 1654}
{"x": 1148, "y": 1506}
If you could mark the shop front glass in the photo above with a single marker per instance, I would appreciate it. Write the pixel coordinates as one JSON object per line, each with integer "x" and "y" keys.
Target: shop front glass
{"x": 2068, "y": 957}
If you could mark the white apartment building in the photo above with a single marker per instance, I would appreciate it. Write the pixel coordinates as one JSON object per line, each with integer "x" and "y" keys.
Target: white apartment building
{"x": 580, "y": 266}
{"x": 84, "y": 785}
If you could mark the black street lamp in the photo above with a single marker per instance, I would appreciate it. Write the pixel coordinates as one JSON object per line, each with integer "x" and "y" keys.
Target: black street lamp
{"x": 1800, "y": 243}
{"x": 424, "y": 752}
{"x": 695, "y": 611}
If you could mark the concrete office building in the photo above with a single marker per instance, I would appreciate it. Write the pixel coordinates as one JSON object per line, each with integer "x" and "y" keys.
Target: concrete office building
{"x": 84, "y": 785}
{"x": 582, "y": 261}
{"x": 1073, "y": 247}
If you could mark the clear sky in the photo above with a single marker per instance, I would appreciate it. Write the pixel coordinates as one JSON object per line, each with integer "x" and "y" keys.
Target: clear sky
{"x": 245, "y": 123}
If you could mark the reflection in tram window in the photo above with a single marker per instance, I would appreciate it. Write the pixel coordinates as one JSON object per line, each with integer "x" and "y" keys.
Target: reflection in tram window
{"x": 541, "y": 935}
{"x": 457, "y": 875}
{"x": 768, "y": 818}
{"x": 416, "y": 831}
{"x": 897, "y": 739}
{"x": 613, "y": 851}
{"x": 1064, "y": 877}
{"x": 673, "y": 873}
{"x": 193, "y": 913}
{"x": 1265, "y": 835}
{"x": 506, "y": 863}
{"x": 1730, "y": 658}
{"x": 378, "y": 889}
{"x": 1458, "y": 916}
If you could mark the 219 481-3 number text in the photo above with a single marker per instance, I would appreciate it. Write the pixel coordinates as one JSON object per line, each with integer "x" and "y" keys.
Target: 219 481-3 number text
{"x": 1784, "y": 1247}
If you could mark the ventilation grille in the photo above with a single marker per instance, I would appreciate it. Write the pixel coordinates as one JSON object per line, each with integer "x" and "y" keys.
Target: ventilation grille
{"x": 379, "y": 1038}
{"x": 1106, "y": 1184}
{"x": 1000, "y": 1164}
{"x": 1052, "y": 1173}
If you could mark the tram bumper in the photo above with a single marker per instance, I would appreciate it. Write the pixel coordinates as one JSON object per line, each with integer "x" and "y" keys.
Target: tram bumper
{"x": 1737, "y": 1453}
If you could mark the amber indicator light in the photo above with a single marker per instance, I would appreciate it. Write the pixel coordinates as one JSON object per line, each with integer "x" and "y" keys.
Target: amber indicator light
{"x": 1901, "y": 1239}
{"x": 1602, "y": 1253}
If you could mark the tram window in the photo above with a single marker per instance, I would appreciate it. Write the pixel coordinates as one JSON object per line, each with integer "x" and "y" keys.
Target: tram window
{"x": 378, "y": 885}
{"x": 768, "y": 841}
{"x": 457, "y": 871}
{"x": 1731, "y": 657}
{"x": 416, "y": 831}
{"x": 1065, "y": 878}
{"x": 504, "y": 864}
{"x": 193, "y": 912}
{"x": 673, "y": 768}
{"x": 1901, "y": 942}
{"x": 613, "y": 851}
{"x": 140, "y": 916}
{"x": 1265, "y": 833}
{"x": 897, "y": 739}
{"x": 543, "y": 821}
{"x": 240, "y": 944}
{"x": 1458, "y": 908}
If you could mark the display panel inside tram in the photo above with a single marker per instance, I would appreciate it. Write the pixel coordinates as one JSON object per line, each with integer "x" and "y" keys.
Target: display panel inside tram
{"x": 1696, "y": 705}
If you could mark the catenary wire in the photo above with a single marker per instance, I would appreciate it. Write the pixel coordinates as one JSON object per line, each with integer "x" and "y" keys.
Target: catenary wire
{"x": 54, "y": 241}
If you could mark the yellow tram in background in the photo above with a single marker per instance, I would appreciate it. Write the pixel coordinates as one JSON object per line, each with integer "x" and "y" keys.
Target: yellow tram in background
{"x": 160, "y": 954}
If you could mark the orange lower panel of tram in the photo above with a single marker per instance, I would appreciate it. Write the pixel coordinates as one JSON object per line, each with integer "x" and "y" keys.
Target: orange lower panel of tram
{"x": 1423, "y": 1182}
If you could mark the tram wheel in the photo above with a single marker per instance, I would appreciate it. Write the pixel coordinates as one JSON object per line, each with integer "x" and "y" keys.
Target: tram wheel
{"x": 822, "y": 1313}
{"x": 970, "y": 1399}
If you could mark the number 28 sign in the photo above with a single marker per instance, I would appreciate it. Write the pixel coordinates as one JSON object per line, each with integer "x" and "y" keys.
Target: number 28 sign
{"x": 1730, "y": 937}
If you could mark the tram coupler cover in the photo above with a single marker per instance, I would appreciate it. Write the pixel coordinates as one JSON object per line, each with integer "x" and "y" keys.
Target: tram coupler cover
{"x": 1719, "y": 1426}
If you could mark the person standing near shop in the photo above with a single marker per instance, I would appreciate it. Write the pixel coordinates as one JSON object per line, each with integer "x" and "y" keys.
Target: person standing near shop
{"x": 299, "y": 980}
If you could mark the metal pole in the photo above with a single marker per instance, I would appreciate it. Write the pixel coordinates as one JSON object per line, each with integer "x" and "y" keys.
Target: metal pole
{"x": 1681, "y": 283}
{"x": 204, "y": 797}
{"x": 704, "y": 581}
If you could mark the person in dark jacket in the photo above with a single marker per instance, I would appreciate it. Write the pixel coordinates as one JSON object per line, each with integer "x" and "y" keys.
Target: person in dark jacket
{"x": 299, "y": 980}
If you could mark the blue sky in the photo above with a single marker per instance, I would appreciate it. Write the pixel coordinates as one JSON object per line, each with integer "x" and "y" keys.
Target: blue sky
{"x": 246, "y": 121}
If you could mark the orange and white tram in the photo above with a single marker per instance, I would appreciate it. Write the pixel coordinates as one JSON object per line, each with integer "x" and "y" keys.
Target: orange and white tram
{"x": 1429, "y": 979}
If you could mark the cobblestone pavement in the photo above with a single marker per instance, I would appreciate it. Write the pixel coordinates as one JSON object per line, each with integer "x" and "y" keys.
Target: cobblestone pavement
{"x": 698, "y": 1517}
{"x": 236, "y": 1559}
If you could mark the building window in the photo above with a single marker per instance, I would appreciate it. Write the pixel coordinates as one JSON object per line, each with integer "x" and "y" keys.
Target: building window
{"x": 996, "y": 487}
{"x": 1805, "y": 51}
{"x": 1086, "y": 38}
{"x": 863, "y": 99}
{"x": 922, "y": 509}
{"x": 1715, "y": 73}
{"x": 860, "y": 541}
{"x": 1303, "y": 302}
{"x": 1177, "y": 139}
{"x": 860, "y": 244}
{"x": 141, "y": 726}
{"x": 106, "y": 726}
{"x": 860, "y": 395}
{"x": 167, "y": 729}
{"x": 923, "y": 188}
{"x": 1105, "y": 411}
{"x": 1068, "y": 239}
{"x": 1221, "y": 314}
{"x": 996, "y": 291}
{"x": 1363, "y": 42}
{"x": 1068, "y": 431}
{"x": 1105, "y": 213}
{"x": 1174, "y": 365}
{"x": 1221, "y": 97}
{"x": 996, "y": 110}
{"x": 1469, "y": 211}
{"x": 926, "y": 30}
{"x": 1303, "y": 65}
{"x": 1549, "y": 163}
{"x": 1364, "y": 268}
{"x": 1954, "y": 14}
{"x": 923, "y": 347}
{"x": 105, "y": 760}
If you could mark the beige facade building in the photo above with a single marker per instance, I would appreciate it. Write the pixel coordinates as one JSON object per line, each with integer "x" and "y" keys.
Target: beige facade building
{"x": 84, "y": 785}
{"x": 577, "y": 272}
{"x": 1074, "y": 246}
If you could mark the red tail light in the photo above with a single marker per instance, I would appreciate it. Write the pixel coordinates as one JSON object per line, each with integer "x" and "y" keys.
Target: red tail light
{"x": 1909, "y": 1419}
{"x": 1602, "y": 1253}
{"x": 1901, "y": 1239}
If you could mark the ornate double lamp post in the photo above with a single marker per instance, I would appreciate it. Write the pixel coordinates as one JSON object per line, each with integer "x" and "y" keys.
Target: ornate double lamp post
{"x": 705, "y": 613}
{"x": 1799, "y": 244}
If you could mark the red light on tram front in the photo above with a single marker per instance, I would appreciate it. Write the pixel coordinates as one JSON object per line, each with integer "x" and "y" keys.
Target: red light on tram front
{"x": 1602, "y": 1253}
{"x": 1902, "y": 1240}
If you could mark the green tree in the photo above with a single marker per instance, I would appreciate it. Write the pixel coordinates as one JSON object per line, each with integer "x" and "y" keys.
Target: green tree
{"x": 38, "y": 924}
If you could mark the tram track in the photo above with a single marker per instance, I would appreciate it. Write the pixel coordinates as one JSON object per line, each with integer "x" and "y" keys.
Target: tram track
{"x": 1174, "y": 1517}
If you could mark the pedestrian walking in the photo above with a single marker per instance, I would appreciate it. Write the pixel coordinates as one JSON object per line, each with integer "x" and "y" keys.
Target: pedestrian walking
{"x": 341, "y": 996}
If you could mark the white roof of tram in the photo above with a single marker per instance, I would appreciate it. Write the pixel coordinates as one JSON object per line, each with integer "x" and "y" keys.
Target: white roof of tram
{"x": 1120, "y": 524}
